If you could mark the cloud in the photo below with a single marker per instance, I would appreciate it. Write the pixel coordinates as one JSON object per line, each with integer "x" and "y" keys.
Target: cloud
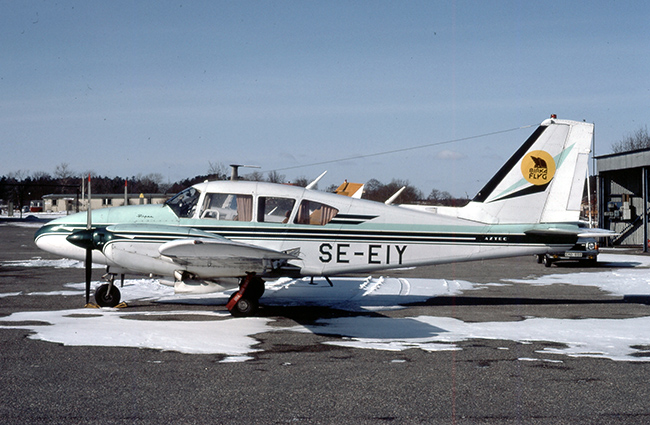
{"x": 447, "y": 154}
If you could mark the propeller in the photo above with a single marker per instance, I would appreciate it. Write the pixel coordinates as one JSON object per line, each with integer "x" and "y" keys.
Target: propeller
{"x": 89, "y": 249}
{"x": 90, "y": 238}
{"x": 84, "y": 239}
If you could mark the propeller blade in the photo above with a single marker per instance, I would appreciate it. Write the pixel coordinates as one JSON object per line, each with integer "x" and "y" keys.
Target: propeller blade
{"x": 89, "y": 209}
{"x": 89, "y": 250}
{"x": 89, "y": 272}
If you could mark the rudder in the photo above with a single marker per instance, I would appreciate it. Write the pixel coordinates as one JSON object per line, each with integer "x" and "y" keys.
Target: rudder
{"x": 542, "y": 182}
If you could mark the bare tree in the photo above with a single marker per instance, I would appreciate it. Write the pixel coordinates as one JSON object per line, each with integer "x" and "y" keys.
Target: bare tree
{"x": 640, "y": 139}
{"x": 18, "y": 175}
{"x": 377, "y": 191}
{"x": 301, "y": 181}
{"x": 155, "y": 178}
{"x": 217, "y": 171}
{"x": 41, "y": 175}
{"x": 437, "y": 197}
{"x": 148, "y": 183}
{"x": 255, "y": 176}
{"x": 63, "y": 171}
{"x": 332, "y": 188}
{"x": 275, "y": 177}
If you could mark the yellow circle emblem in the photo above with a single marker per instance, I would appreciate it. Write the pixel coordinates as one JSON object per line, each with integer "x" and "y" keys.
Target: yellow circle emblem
{"x": 538, "y": 167}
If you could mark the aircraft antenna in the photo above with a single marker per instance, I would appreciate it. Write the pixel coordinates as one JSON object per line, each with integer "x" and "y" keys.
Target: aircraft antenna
{"x": 234, "y": 175}
{"x": 392, "y": 199}
{"x": 370, "y": 155}
{"x": 316, "y": 180}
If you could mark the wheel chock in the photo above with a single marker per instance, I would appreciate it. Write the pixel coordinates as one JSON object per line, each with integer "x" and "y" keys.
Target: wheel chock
{"x": 237, "y": 295}
{"x": 233, "y": 301}
{"x": 91, "y": 305}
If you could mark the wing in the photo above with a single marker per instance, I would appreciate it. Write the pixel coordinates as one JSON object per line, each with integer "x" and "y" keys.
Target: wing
{"x": 166, "y": 250}
{"x": 192, "y": 249}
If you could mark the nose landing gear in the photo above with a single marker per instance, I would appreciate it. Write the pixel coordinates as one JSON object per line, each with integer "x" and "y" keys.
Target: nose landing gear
{"x": 108, "y": 295}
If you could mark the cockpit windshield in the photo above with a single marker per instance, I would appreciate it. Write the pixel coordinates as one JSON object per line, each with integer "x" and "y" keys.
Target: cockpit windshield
{"x": 184, "y": 203}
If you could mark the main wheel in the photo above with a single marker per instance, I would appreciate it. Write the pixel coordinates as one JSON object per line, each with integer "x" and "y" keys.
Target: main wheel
{"x": 106, "y": 298}
{"x": 245, "y": 307}
{"x": 255, "y": 288}
{"x": 547, "y": 261}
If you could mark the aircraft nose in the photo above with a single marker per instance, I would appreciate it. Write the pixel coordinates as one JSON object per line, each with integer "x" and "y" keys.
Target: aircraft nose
{"x": 40, "y": 233}
{"x": 48, "y": 237}
{"x": 43, "y": 237}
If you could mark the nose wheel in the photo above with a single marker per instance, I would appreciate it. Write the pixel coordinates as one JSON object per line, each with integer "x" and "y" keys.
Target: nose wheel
{"x": 108, "y": 295}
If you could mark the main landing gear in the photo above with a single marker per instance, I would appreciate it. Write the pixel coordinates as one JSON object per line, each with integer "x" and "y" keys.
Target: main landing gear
{"x": 108, "y": 295}
{"x": 244, "y": 303}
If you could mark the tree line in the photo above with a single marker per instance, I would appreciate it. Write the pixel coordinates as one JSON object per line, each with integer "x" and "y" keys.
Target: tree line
{"x": 639, "y": 139}
{"x": 20, "y": 188}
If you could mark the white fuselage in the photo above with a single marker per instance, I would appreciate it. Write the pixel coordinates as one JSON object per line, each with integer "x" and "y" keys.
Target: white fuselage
{"x": 356, "y": 236}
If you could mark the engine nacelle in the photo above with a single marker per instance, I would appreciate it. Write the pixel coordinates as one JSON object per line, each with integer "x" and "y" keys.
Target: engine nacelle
{"x": 197, "y": 286}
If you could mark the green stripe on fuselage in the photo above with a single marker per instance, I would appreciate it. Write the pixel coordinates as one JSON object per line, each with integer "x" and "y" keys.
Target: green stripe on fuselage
{"x": 393, "y": 233}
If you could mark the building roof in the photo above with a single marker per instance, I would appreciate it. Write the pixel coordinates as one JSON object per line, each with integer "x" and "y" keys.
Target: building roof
{"x": 111, "y": 195}
{"x": 623, "y": 160}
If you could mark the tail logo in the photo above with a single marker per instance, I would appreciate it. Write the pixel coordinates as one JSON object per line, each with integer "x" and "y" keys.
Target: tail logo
{"x": 538, "y": 167}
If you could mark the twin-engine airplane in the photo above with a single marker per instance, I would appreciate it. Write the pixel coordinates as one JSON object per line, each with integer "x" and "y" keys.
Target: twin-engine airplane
{"x": 223, "y": 234}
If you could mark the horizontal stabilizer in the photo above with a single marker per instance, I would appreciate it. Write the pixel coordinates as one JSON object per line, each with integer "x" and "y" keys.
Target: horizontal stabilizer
{"x": 597, "y": 233}
{"x": 580, "y": 232}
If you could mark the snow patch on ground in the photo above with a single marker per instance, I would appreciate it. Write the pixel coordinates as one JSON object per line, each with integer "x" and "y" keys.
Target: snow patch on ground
{"x": 628, "y": 275}
{"x": 234, "y": 338}
{"x": 63, "y": 263}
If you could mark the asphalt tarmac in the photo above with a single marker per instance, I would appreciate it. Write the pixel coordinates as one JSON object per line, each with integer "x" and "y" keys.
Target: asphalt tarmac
{"x": 295, "y": 378}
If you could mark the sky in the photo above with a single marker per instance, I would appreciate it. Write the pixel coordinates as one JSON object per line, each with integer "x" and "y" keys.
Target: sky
{"x": 124, "y": 88}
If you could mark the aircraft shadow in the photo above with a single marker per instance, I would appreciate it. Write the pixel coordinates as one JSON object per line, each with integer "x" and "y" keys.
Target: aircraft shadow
{"x": 348, "y": 324}
{"x": 569, "y": 264}
{"x": 488, "y": 301}
{"x": 312, "y": 311}
{"x": 333, "y": 322}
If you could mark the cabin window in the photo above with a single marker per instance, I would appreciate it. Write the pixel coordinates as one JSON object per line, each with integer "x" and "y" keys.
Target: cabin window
{"x": 315, "y": 213}
{"x": 274, "y": 210}
{"x": 184, "y": 203}
{"x": 228, "y": 206}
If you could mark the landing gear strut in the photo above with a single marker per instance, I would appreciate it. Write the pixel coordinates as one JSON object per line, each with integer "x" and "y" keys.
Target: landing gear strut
{"x": 244, "y": 303}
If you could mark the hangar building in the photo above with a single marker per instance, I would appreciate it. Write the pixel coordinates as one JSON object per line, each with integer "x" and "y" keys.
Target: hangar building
{"x": 69, "y": 203}
{"x": 623, "y": 203}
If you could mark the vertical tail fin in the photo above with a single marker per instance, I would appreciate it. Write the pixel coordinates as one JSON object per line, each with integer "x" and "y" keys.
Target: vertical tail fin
{"x": 542, "y": 182}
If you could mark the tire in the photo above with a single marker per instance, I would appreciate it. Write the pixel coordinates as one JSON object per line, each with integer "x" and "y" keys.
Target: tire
{"x": 255, "y": 288}
{"x": 547, "y": 261}
{"x": 539, "y": 258}
{"x": 245, "y": 307}
{"x": 104, "y": 298}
